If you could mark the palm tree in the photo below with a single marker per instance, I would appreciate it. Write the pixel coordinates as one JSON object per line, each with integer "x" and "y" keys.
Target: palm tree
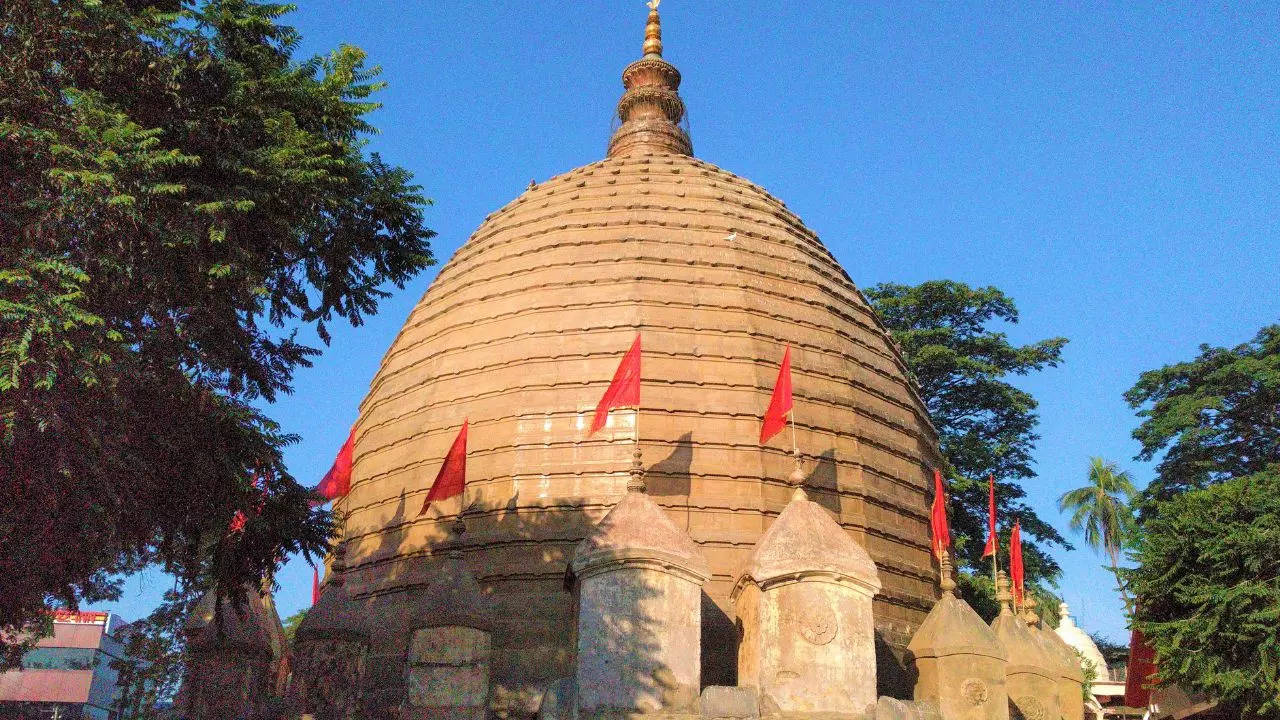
{"x": 1101, "y": 510}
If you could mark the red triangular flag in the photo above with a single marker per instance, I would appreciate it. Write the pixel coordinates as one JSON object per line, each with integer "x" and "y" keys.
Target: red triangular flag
{"x": 452, "y": 477}
{"x": 938, "y": 517}
{"x": 1015, "y": 563}
{"x": 315, "y": 585}
{"x": 337, "y": 482}
{"x": 993, "y": 540}
{"x": 624, "y": 390}
{"x": 775, "y": 418}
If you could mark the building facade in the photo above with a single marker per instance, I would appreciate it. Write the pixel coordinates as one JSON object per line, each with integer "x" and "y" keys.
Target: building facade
{"x": 69, "y": 676}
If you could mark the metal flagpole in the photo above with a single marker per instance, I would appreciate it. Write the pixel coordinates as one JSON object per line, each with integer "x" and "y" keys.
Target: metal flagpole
{"x": 792, "y": 412}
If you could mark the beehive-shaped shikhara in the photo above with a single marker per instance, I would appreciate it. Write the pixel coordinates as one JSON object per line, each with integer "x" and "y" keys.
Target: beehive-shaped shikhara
{"x": 521, "y": 333}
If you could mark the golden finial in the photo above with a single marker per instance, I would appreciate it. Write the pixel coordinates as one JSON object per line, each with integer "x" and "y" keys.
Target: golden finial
{"x": 1029, "y": 615}
{"x": 636, "y": 483}
{"x": 1003, "y": 595}
{"x": 653, "y": 31}
{"x": 947, "y": 582}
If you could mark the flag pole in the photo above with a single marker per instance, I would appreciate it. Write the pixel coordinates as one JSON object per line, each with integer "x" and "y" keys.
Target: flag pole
{"x": 792, "y": 412}
{"x": 995, "y": 568}
{"x": 1012, "y": 581}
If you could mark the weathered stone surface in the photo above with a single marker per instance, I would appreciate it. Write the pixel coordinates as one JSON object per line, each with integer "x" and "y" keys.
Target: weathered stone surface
{"x": 236, "y": 658}
{"x": 449, "y": 669}
{"x": 328, "y": 677}
{"x": 1030, "y": 678}
{"x": 808, "y": 641}
{"x": 730, "y": 703}
{"x": 1070, "y": 677}
{"x": 887, "y": 708}
{"x": 639, "y": 614}
{"x": 330, "y": 656}
{"x": 960, "y": 663}
{"x": 449, "y": 646}
{"x": 560, "y": 700}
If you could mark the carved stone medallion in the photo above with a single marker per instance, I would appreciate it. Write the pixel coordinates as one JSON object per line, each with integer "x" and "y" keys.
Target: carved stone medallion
{"x": 1031, "y": 708}
{"x": 816, "y": 621}
{"x": 974, "y": 690}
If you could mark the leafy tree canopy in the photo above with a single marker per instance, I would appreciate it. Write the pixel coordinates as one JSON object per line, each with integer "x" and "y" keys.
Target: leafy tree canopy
{"x": 1218, "y": 416}
{"x": 1208, "y": 583}
{"x": 292, "y": 622}
{"x": 176, "y": 194}
{"x": 985, "y": 425}
{"x": 1101, "y": 509}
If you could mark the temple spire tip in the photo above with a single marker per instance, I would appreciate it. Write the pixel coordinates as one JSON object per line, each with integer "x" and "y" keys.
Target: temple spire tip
{"x": 653, "y": 31}
{"x": 651, "y": 109}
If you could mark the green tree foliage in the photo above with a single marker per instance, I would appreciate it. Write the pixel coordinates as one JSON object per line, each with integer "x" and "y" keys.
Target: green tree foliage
{"x": 1208, "y": 581}
{"x": 985, "y": 425}
{"x": 1218, "y": 416}
{"x": 1113, "y": 652}
{"x": 1101, "y": 510}
{"x": 292, "y": 622}
{"x": 178, "y": 196}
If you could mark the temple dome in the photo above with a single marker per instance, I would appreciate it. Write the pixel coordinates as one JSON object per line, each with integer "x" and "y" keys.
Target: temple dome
{"x": 1080, "y": 641}
{"x": 521, "y": 332}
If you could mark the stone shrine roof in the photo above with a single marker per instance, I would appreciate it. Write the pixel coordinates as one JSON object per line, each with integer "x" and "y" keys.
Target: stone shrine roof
{"x": 637, "y": 528}
{"x": 953, "y": 628}
{"x": 246, "y": 627}
{"x": 523, "y": 327}
{"x": 805, "y": 538}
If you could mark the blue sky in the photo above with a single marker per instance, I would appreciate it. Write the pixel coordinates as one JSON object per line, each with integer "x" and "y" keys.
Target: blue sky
{"x": 1114, "y": 168}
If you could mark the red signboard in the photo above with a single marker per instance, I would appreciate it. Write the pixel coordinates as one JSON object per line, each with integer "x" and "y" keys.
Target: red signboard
{"x": 75, "y": 617}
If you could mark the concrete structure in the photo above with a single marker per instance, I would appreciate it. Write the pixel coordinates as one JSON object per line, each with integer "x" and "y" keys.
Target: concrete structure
{"x": 1031, "y": 677}
{"x": 330, "y": 653}
{"x": 639, "y": 580}
{"x": 1079, "y": 641}
{"x": 960, "y": 663}
{"x": 69, "y": 674}
{"x": 521, "y": 331}
{"x": 1070, "y": 677}
{"x": 238, "y": 659}
{"x": 448, "y": 666}
{"x": 804, "y": 605}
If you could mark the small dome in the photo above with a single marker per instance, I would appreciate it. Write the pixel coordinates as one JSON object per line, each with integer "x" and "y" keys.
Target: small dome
{"x": 636, "y": 527}
{"x": 1021, "y": 644}
{"x": 953, "y": 628}
{"x": 804, "y": 538}
{"x": 333, "y": 616}
{"x": 453, "y": 598}
{"x": 241, "y": 627}
{"x": 1080, "y": 641}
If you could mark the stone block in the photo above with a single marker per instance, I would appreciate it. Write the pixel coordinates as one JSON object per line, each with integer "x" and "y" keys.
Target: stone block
{"x": 559, "y": 700}
{"x": 730, "y": 703}
{"x": 639, "y": 613}
{"x": 887, "y": 708}
{"x": 441, "y": 687}
{"x": 449, "y": 646}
